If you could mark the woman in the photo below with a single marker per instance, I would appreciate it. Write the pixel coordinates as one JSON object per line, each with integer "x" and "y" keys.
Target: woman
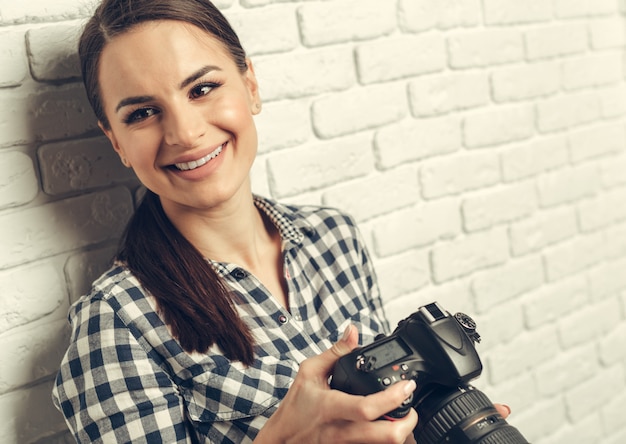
{"x": 221, "y": 317}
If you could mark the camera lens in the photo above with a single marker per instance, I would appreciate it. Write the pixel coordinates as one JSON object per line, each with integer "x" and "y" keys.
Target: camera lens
{"x": 462, "y": 415}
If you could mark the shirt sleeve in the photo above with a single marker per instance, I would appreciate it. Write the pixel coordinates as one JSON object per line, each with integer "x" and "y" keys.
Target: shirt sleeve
{"x": 110, "y": 390}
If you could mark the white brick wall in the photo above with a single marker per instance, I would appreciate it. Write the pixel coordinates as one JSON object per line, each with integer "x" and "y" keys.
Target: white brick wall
{"x": 481, "y": 145}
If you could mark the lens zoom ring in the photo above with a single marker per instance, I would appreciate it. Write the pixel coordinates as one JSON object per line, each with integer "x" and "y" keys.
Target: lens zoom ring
{"x": 508, "y": 435}
{"x": 453, "y": 413}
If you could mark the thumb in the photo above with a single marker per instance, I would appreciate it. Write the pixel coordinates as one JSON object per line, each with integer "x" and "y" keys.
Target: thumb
{"x": 345, "y": 345}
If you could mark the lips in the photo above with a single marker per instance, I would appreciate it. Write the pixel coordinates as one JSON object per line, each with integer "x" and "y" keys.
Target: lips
{"x": 186, "y": 166}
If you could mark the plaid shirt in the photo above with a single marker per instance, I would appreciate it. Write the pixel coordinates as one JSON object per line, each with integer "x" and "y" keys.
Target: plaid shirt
{"x": 124, "y": 377}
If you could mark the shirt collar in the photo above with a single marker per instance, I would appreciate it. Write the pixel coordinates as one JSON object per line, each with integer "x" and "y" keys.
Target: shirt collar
{"x": 291, "y": 225}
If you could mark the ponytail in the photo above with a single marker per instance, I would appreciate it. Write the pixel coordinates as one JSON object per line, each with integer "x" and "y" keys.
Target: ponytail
{"x": 191, "y": 297}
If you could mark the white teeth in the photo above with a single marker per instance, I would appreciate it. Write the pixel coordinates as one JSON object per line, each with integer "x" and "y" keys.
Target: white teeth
{"x": 185, "y": 166}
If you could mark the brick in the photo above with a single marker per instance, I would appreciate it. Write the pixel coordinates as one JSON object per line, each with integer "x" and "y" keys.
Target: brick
{"x": 18, "y": 180}
{"x": 472, "y": 49}
{"x": 590, "y": 324}
{"x": 612, "y": 350}
{"x": 504, "y": 283}
{"x": 44, "y": 115}
{"x": 524, "y": 352}
{"x": 566, "y": 370}
{"x": 498, "y": 125}
{"x": 525, "y": 81}
{"x": 508, "y": 12}
{"x": 603, "y": 210}
{"x": 585, "y": 430}
{"x": 442, "y": 93}
{"x": 460, "y": 173}
{"x": 612, "y": 415}
{"x": 574, "y": 256}
{"x": 606, "y": 280}
{"x": 421, "y": 15}
{"x": 287, "y": 76}
{"x": 543, "y": 229}
{"x": 13, "y": 60}
{"x": 466, "y": 255}
{"x": 403, "y": 273}
{"x": 34, "y": 12}
{"x": 539, "y": 422}
{"x": 596, "y": 141}
{"x": 283, "y": 124}
{"x": 583, "y": 8}
{"x": 568, "y": 185}
{"x": 385, "y": 60}
{"x": 328, "y": 113}
{"x": 607, "y": 33}
{"x": 52, "y": 52}
{"x": 31, "y": 353}
{"x": 532, "y": 158}
{"x": 612, "y": 169}
{"x": 453, "y": 296}
{"x": 19, "y": 427}
{"x": 25, "y": 299}
{"x": 615, "y": 241}
{"x": 494, "y": 207}
{"x": 423, "y": 225}
{"x": 376, "y": 195}
{"x": 592, "y": 70}
{"x": 498, "y": 324}
{"x": 83, "y": 268}
{"x": 556, "y": 40}
{"x": 612, "y": 101}
{"x": 259, "y": 177}
{"x": 565, "y": 111}
{"x": 519, "y": 391}
{"x": 315, "y": 166}
{"x": 550, "y": 303}
{"x": 81, "y": 165}
{"x": 277, "y": 25}
{"x": 349, "y": 20}
{"x": 594, "y": 393}
{"x": 62, "y": 226}
{"x": 411, "y": 140}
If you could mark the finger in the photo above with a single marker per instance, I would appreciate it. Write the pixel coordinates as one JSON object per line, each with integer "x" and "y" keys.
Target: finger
{"x": 503, "y": 409}
{"x": 374, "y": 406}
{"x": 322, "y": 364}
{"x": 374, "y": 431}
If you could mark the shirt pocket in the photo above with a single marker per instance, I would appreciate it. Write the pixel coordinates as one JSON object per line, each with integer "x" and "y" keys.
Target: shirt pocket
{"x": 231, "y": 391}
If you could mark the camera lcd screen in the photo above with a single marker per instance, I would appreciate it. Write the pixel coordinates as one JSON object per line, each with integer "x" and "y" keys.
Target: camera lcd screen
{"x": 387, "y": 353}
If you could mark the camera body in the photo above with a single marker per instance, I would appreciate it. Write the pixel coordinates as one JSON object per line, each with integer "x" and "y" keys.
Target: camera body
{"x": 436, "y": 349}
{"x": 430, "y": 346}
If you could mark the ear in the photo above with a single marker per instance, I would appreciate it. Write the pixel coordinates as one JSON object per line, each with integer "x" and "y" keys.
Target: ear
{"x": 253, "y": 88}
{"x": 116, "y": 146}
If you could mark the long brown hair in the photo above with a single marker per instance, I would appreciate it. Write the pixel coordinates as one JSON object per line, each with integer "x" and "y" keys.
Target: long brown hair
{"x": 192, "y": 298}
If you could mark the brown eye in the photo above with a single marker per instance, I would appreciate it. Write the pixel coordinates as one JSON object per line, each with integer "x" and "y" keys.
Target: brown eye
{"x": 140, "y": 114}
{"x": 202, "y": 90}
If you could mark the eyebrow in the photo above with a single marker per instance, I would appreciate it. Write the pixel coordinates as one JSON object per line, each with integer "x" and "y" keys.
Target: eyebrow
{"x": 192, "y": 78}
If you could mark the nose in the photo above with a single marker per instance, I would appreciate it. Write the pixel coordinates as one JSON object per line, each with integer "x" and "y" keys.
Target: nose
{"x": 183, "y": 126}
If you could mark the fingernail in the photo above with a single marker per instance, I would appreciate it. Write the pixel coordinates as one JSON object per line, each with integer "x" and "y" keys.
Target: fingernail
{"x": 410, "y": 387}
{"x": 507, "y": 407}
{"x": 346, "y": 332}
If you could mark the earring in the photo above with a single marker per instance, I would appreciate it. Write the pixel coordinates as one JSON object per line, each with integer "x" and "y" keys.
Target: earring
{"x": 257, "y": 107}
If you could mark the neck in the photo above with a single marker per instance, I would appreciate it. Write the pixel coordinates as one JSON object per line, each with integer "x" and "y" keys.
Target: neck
{"x": 233, "y": 232}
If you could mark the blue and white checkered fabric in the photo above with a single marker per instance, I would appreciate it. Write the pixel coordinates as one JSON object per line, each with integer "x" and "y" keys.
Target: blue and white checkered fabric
{"x": 125, "y": 378}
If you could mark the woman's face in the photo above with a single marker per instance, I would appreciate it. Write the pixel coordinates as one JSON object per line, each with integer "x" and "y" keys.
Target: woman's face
{"x": 180, "y": 113}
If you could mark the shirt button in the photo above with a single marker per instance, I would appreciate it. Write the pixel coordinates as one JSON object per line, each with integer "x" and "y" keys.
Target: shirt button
{"x": 239, "y": 274}
{"x": 282, "y": 319}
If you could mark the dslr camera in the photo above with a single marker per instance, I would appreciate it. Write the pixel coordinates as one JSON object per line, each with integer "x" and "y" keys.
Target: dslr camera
{"x": 437, "y": 350}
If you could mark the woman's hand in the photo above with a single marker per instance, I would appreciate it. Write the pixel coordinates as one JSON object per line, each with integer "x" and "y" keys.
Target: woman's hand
{"x": 313, "y": 413}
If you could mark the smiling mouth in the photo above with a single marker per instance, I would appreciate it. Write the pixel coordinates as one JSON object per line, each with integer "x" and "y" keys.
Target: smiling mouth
{"x": 186, "y": 166}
